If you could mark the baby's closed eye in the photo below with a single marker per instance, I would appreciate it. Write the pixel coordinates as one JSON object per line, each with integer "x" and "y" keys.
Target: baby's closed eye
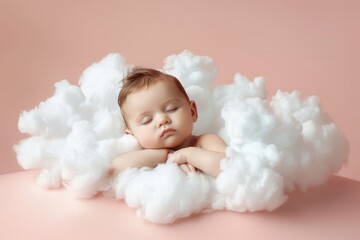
{"x": 171, "y": 108}
{"x": 146, "y": 120}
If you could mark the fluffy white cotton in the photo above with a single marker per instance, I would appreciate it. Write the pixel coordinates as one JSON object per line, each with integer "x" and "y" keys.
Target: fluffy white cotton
{"x": 275, "y": 144}
{"x": 100, "y": 82}
{"x": 77, "y": 131}
{"x": 191, "y": 69}
{"x": 247, "y": 181}
{"x": 165, "y": 193}
{"x": 55, "y": 116}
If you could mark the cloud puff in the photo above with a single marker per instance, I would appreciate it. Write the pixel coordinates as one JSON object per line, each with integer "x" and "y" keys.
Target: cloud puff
{"x": 275, "y": 144}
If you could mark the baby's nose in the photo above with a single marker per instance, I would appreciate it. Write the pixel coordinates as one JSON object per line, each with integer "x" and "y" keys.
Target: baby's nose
{"x": 164, "y": 120}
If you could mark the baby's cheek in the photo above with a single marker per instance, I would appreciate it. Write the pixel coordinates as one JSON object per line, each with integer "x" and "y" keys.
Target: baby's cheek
{"x": 148, "y": 141}
{"x": 144, "y": 142}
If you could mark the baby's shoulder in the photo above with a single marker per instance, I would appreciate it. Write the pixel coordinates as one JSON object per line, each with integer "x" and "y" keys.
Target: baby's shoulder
{"x": 208, "y": 137}
{"x": 211, "y": 142}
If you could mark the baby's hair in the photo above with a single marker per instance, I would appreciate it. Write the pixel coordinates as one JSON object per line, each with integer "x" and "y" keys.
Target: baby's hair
{"x": 139, "y": 78}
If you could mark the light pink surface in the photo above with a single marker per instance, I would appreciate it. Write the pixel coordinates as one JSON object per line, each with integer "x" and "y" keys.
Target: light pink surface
{"x": 328, "y": 212}
{"x": 312, "y": 46}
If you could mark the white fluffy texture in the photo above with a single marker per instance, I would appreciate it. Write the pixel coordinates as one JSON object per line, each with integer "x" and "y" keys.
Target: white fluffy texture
{"x": 164, "y": 193}
{"x": 274, "y": 145}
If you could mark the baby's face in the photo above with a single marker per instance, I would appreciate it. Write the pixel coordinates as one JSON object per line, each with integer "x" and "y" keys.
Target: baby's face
{"x": 160, "y": 116}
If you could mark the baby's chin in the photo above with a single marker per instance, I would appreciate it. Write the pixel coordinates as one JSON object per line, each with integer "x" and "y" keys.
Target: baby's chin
{"x": 177, "y": 146}
{"x": 170, "y": 147}
{"x": 171, "y": 144}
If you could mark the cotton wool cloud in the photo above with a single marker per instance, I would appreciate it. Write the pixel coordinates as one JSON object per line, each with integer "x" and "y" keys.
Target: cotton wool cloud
{"x": 275, "y": 143}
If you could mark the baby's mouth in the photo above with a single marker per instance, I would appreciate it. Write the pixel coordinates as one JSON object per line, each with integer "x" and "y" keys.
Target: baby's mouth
{"x": 167, "y": 132}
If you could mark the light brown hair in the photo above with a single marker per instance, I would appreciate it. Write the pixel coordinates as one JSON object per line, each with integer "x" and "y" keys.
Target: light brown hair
{"x": 139, "y": 78}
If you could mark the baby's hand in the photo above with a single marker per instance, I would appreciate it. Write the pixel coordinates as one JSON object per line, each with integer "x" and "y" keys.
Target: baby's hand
{"x": 188, "y": 168}
{"x": 178, "y": 157}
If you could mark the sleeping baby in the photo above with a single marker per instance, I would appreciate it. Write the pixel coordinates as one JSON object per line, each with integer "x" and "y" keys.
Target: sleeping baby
{"x": 159, "y": 114}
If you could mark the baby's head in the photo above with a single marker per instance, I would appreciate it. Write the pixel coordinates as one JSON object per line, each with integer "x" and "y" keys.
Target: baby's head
{"x": 156, "y": 109}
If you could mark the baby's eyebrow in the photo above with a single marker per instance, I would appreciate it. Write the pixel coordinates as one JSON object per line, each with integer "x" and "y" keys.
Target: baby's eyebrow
{"x": 174, "y": 100}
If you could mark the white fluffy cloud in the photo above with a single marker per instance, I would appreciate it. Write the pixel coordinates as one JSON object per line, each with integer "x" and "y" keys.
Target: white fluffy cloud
{"x": 275, "y": 144}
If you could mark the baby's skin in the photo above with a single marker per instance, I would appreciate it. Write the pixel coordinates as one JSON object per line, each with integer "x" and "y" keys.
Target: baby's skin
{"x": 161, "y": 118}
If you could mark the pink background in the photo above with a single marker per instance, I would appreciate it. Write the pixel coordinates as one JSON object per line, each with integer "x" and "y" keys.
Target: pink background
{"x": 310, "y": 46}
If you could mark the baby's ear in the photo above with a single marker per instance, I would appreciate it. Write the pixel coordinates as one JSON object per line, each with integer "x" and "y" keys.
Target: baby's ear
{"x": 193, "y": 109}
{"x": 128, "y": 131}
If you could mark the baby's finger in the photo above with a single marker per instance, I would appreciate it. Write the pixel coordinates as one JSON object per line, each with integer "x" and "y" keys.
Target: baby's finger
{"x": 170, "y": 158}
{"x": 191, "y": 168}
{"x": 176, "y": 158}
{"x": 184, "y": 167}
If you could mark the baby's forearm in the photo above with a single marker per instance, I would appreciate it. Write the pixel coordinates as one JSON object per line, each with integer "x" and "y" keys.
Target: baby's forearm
{"x": 205, "y": 160}
{"x": 137, "y": 159}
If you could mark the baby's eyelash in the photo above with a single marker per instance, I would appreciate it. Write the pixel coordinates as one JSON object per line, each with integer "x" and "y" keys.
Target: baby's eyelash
{"x": 146, "y": 121}
{"x": 172, "y": 109}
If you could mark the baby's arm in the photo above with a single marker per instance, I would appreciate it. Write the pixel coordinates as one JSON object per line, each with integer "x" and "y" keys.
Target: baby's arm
{"x": 136, "y": 159}
{"x": 206, "y": 157}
